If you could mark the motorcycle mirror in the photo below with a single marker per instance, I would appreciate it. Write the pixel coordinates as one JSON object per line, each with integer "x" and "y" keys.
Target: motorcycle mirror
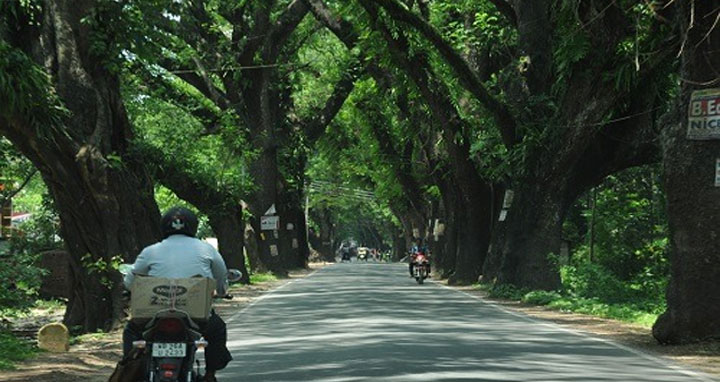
{"x": 234, "y": 275}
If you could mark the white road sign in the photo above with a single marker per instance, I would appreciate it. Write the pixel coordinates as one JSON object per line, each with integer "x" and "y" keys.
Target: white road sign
{"x": 269, "y": 223}
{"x": 704, "y": 114}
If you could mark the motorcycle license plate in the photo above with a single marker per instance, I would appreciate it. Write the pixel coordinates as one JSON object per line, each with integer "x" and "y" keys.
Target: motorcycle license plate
{"x": 168, "y": 349}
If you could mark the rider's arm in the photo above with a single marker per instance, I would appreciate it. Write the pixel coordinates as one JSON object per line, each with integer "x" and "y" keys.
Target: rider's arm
{"x": 140, "y": 267}
{"x": 219, "y": 271}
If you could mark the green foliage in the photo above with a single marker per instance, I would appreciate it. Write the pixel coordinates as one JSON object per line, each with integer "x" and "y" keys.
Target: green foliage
{"x": 628, "y": 312}
{"x": 593, "y": 281}
{"x": 214, "y": 159}
{"x": 21, "y": 280}
{"x": 19, "y": 258}
{"x": 25, "y": 91}
{"x": 637, "y": 309}
{"x": 262, "y": 278}
{"x": 540, "y": 297}
{"x": 630, "y": 225}
{"x": 39, "y": 233}
{"x": 13, "y": 350}
{"x": 101, "y": 268}
{"x": 507, "y": 291}
{"x": 87, "y": 337}
{"x": 15, "y": 172}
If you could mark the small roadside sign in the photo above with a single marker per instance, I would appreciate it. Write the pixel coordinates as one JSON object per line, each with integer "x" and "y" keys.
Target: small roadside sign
{"x": 704, "y": 115}
{"x": 503, "y": 215}
{"x": 269, "y": 223}
{"x": 271, "y": 210}
{"x": 717, "y": 172}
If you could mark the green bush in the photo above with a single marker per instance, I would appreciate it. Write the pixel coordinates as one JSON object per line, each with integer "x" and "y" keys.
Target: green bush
{"x": 20, "y": 272}
{"x": 507, "y": 291}
{"x": 21, "y": 281}
{"x": 262, "y": 277}
{"x": 590, "y": 280}
{"x": 13, "y": 350}
{"x": 540, "y": 297}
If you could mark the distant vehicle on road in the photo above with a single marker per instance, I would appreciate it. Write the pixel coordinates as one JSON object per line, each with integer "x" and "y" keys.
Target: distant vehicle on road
{"x": 363, "y": 253}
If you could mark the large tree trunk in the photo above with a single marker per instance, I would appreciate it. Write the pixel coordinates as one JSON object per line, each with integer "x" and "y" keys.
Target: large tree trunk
{"x": 326, "y": 234}
{"x": 445, "y": 262}
{"x": 693, "y": 306}
{"x": 530, "y": 233}
{"x": 252, "y": 249}
{"x": 271, "y": 243}
{"x": 475, "y": 221}
{"x": 106, "y": 206}
{"x": 229, "y": 227}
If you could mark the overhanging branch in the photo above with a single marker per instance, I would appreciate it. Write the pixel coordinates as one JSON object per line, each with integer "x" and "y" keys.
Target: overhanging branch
{"x": 468, "y": 78}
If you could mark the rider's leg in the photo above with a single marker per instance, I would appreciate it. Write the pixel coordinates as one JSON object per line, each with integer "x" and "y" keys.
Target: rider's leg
{"x": 217, "y": 355}
{"x": 131, "y": 333}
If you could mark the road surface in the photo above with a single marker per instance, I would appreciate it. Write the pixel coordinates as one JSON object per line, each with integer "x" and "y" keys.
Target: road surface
{"x": 372, "y": 322}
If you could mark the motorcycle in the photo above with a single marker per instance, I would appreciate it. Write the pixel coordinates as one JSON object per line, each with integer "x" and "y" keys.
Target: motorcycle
{"x": 172, "y": 338}
{"x": 170, "y": 341}
{"x": 421, "y": 267}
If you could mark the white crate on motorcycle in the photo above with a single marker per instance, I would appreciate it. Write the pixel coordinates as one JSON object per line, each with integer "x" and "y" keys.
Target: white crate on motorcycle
{"x": 151, "y": 294}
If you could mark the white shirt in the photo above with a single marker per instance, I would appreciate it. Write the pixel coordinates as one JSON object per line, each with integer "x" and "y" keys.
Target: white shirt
{"x": 180, "y": 256}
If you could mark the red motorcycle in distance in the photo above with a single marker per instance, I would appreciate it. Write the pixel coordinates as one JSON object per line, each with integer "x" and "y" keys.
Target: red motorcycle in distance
{"x": 420, "y": 265}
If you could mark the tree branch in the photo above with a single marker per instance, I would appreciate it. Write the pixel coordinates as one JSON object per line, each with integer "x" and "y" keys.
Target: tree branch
{"x": 468, "y": 78}
{"x": 256, "y": 37}
{"x": 283, "y": 28}
{"x": 315, "y": 127}
{"x": 337, "y": 25}
{"x": 189, "y": 103}
{"x": 202, "y": 82}
{"x": 506, "y": 10}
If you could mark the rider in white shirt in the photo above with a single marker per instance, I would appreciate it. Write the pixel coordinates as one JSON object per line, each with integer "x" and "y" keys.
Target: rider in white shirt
{"x": 181, "y": 255}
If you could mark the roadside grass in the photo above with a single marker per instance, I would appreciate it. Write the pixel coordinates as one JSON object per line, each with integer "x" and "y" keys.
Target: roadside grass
{"x": 643, "y": 313}
{"x": 37, "y": 308}
{"x": 262, "y": 277}
{"x": 74, "y": 340}
{"x": 13, "y": 350}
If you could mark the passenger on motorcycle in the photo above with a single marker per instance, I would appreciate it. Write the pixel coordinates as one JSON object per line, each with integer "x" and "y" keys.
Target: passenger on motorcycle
{"x": 417, "y": 248}
{"x": 181, "y": 255}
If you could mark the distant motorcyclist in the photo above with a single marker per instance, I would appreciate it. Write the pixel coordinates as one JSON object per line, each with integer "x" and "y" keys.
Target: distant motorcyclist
{"x": 344, "y": 251}
{"x": 418, "y": 248}
{"x": 181, "y": 255}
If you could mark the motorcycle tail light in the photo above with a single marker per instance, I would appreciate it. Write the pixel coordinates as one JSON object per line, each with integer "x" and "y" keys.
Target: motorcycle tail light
{"x": 170, "y": 325}
{"x": 168, "y": 366}
{"x": 168, "y": 373}
{"x": 420, "y": 258}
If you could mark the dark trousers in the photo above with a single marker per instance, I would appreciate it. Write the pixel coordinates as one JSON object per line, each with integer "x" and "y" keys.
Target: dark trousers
{"x": 217, "y": 356}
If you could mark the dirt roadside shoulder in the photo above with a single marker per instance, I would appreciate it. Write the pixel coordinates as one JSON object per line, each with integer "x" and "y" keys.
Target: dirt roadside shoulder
{"x": 94, "y": 360}
{"x": 703, "y": 357}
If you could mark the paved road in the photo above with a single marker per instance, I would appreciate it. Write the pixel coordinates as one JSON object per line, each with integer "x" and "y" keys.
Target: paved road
{"x": 372, "y": 322}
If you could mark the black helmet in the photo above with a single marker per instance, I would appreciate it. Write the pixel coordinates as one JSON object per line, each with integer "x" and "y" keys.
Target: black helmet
{"x": 179, "y": 220}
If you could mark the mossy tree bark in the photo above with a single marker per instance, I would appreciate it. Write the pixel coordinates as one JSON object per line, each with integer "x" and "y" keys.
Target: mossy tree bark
{"x": 690, "y": 168}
